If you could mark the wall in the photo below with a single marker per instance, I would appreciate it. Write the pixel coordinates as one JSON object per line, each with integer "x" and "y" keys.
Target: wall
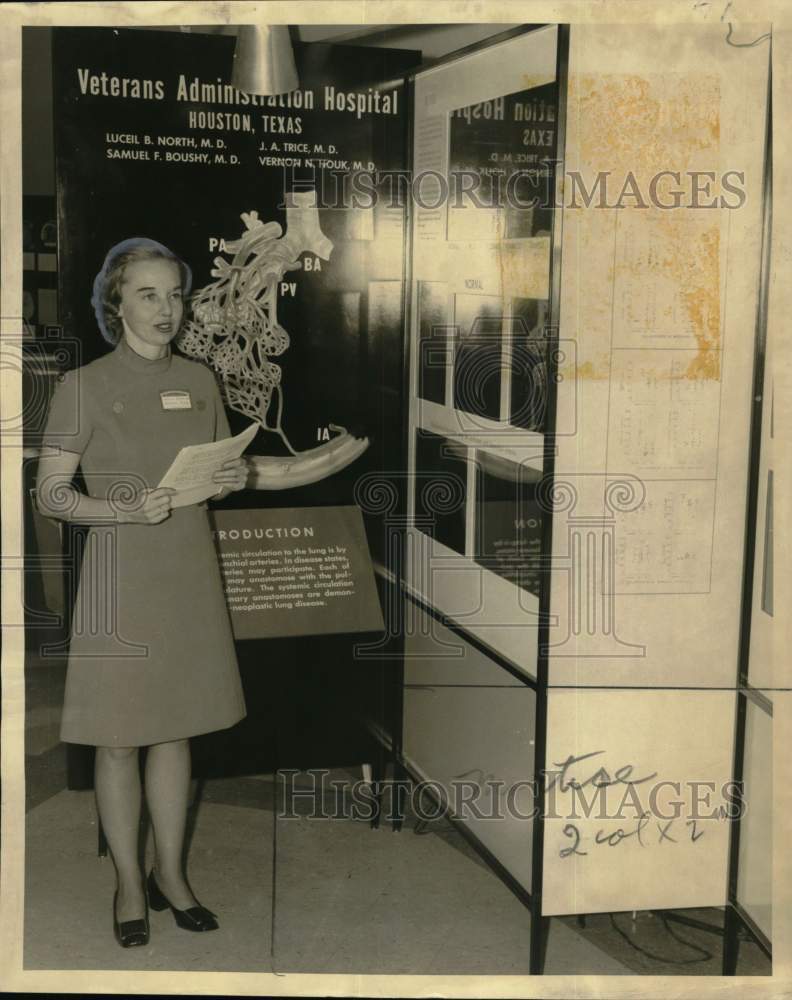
{"x": 38, "y": 151}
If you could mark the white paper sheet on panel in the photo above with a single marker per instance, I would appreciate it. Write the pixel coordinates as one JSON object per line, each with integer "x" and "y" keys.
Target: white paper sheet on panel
{"x": 661, "y": 304}
{"x": 645, "y": 829}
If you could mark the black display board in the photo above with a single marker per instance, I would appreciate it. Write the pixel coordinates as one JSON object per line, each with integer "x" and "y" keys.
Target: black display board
{"x": 119, "y": 94}
{"x": 151, "y": 141}
{"x": 296, "y": 572}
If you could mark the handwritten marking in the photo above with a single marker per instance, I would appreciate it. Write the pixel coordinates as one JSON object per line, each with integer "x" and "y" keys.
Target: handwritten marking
{"x": 599, "y": 779}
{"x": 601, "y": 837}
{"x": 664, "y": 834}
{"x": 570, "y": 830}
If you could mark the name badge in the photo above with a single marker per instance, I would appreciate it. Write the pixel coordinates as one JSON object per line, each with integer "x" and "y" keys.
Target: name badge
{"x": 176, "y": 399}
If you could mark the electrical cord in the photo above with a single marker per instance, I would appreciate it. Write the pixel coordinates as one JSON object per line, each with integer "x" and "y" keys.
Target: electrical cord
{"x": 704, "y": 955}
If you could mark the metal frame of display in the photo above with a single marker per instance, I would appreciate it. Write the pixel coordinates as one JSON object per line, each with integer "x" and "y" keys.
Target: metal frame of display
{"x": 736, "y": 917}
{"x": 540, "y": 925}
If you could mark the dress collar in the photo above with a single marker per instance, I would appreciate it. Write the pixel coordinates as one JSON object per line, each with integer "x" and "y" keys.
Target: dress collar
{"x": 131, "y": 359}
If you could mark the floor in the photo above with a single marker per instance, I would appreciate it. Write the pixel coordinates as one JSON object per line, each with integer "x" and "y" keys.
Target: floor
{"x": 303, "y": 895}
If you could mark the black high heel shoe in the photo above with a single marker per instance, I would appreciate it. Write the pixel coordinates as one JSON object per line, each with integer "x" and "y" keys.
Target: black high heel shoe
{"x": 130, "y": 933}
{"x": 196, "y": 918}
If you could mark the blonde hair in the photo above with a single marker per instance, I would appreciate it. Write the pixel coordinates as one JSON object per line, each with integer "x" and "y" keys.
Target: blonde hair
{"x": 106, "y": 296}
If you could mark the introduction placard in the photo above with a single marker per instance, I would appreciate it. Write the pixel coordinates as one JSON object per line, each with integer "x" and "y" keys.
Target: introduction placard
{"x": 296, "y": 571}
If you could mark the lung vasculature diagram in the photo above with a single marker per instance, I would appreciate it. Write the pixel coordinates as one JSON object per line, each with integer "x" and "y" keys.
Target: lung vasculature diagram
{"x": 234, "y": 328}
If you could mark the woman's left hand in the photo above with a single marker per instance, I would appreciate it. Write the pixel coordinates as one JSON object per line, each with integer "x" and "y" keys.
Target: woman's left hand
{"x": 232, "y": 476}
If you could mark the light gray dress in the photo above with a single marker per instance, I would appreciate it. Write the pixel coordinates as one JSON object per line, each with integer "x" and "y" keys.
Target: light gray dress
{"x": 152, "y": 655}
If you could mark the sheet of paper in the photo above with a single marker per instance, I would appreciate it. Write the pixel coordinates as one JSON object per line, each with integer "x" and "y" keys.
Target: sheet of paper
{"x": 191, "y": 472}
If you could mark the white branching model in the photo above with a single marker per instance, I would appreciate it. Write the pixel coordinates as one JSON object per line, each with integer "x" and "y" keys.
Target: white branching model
{"x": 234, "y": 327}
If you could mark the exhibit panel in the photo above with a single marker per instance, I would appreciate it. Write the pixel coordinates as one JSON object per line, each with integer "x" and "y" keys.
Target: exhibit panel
{"x": 485, "y": 139}
{"x": 778, "y": 384}
{"x": 469, "y": 732}
{"x": 483, "y": 354}
{"x": 661, "y": 302}
{"x": 766, "y": 670}
{"x": 647, "y": 477}
{"x": 755, "y": 858}
{"x": 769, "y": 664}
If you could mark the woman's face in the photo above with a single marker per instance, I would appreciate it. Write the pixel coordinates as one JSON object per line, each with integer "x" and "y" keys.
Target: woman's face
{"x": 151, "y": 301}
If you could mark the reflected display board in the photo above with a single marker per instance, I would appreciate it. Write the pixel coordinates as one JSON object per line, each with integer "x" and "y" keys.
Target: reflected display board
{"x": 484, "y": 149}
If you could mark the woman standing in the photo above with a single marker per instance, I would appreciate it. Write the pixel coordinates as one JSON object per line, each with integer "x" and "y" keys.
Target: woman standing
{"x": 151, "y": 660}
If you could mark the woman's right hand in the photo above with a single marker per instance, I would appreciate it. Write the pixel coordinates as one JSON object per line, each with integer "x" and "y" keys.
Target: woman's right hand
{"x": 150, "y": 507}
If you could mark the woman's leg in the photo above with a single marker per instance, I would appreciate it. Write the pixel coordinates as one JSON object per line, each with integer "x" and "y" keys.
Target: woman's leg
{"x": 167, "y": 794}
{"x": 117, "y": 784}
